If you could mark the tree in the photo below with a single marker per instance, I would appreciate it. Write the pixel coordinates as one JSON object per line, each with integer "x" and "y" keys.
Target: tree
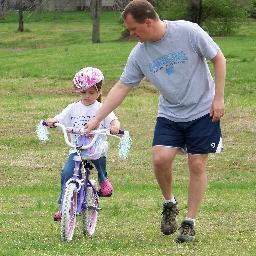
{"x": 223, "y": 17}
{"x": 195, "y": 11}
{"x": 253, "y": 9}
{"x": 21, "y": 20}
{"x": 119, "y": 5}
{"x": 2, "y": 8}
{"x": 172, "y": 9}
{"x": 218, "y": 17}
{"x": 95, "y": 7}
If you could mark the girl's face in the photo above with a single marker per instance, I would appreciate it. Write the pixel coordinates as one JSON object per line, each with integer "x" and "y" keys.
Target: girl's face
{"x": 90, "y": 95}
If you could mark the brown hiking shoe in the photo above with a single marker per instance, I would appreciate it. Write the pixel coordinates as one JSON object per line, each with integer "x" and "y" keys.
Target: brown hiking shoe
{"x": 168, "y": 222}
{"x": 186, "y": 232}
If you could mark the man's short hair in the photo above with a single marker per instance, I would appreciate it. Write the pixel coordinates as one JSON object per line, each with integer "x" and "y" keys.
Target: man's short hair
{"x": 140, "y": 10}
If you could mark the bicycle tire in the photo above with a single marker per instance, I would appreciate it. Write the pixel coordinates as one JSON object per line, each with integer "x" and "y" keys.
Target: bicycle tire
{"x": 90, "y": 214}
{"x": 69, "y": 207}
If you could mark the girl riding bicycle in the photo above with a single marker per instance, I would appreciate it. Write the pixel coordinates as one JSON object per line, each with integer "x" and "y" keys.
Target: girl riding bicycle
{"x": 87, "y": 82}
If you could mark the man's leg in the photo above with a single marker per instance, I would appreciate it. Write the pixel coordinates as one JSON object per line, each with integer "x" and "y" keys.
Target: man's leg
{"x": 162, "y": 160}
{"x": 197, "y": 182}
{"x": 197, "y": 185}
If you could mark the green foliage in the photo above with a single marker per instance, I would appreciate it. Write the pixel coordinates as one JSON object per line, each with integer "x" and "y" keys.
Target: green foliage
{"x": 253, "y": 9}
{"x": 219, "y": 17}
{"x": 124, "y": 31}
{"x": 172, "y": 9}
{"x": 222, "y": 17}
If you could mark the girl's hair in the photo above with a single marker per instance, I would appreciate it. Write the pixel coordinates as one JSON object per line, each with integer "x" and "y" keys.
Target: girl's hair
{"x": 98, "y": 87}
{"x": 140, "y": 10}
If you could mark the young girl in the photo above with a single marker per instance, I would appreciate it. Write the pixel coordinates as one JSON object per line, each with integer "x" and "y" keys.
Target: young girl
{"x": 87, "y": 82}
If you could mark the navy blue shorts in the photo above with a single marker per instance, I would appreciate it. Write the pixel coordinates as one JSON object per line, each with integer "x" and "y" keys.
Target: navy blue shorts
{"x": 200, "y": 136}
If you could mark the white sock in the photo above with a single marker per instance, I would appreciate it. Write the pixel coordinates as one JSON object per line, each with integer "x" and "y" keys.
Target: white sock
{"x": 173, "y": 200}
{"x": 190, "y": 219}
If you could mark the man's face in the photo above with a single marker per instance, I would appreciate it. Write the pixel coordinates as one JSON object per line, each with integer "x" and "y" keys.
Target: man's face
{"x": 138, "y": 30}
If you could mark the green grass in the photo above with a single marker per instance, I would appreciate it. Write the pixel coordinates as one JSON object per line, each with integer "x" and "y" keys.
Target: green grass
{"x": 36, "y": 68}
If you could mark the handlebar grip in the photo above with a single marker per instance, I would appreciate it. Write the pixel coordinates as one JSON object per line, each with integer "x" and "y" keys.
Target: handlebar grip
{"x": 44, "y": 123}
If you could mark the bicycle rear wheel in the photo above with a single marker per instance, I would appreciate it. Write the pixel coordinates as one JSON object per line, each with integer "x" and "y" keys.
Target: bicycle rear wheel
{"x": 90, "y": 214}
{"x": 68, "y": 220}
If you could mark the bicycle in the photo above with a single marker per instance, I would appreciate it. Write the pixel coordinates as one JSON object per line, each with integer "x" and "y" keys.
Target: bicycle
{"x": 81, "y": 192}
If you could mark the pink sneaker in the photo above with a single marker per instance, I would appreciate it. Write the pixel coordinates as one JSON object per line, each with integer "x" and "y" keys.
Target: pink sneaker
{"x": 57, "y": 216}
{"x": 106, "y": 188}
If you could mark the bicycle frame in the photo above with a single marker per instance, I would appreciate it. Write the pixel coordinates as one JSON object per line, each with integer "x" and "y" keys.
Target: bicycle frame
{"x": 81, "y": 183}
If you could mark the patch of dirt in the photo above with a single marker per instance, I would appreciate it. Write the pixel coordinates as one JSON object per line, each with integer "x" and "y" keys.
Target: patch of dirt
{"x": 240, "y": 120}
{"x": 19, "y": 49}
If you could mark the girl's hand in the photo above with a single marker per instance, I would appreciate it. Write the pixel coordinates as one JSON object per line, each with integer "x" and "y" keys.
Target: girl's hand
{"x": 69, "y": 130}
{"x": 115, "y": 126}
{"x": 114, "y": 129}
{"x": 51, "y": 122}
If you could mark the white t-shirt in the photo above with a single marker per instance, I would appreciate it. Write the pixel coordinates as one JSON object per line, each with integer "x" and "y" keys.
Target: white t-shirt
{"x": 78, "y": 115}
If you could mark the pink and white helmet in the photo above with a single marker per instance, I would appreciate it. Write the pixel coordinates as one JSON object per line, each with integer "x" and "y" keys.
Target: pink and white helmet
{"x": 86, "y": 78}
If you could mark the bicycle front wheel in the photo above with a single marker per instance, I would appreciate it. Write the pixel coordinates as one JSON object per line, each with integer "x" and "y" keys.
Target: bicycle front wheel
{"x": 69, "y": 206}
{"x": 90, "y": 214}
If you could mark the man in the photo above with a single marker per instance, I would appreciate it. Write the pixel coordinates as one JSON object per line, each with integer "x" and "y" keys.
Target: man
{"x": 172, "y": 56}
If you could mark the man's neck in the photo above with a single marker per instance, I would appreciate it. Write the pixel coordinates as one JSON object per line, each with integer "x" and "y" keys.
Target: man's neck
{"x": 160, "y": 30}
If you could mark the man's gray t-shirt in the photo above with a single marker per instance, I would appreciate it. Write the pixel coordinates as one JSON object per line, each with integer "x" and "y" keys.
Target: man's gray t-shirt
{"x": 177, "y": 66}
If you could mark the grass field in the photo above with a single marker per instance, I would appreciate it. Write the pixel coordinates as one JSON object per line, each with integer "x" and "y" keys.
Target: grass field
{"x": 36, "y": 68}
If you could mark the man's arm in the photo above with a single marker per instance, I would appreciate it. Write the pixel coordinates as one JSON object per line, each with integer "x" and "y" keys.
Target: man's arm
{"x": 114, "y": 98}
{"x": 217, "y": 108}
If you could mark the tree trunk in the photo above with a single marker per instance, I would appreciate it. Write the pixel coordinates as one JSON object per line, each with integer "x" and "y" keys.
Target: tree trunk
{"x": 51, "y": 5}
{"x": 39, "y": 6}
{"x": 21, "y": 21}
{"x": 195, "y": 11}
{"x": 119, "y": 5}
{"x": 95, "y": 7}
{"x": 2, "y": 9}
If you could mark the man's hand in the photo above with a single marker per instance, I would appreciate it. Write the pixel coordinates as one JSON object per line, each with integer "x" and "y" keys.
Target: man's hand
{"x": 217, "y": 109}
{"x": 93, "y": 124}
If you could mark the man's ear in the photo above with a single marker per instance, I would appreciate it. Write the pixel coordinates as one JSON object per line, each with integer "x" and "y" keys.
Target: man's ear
{"x": 148, "y": 22}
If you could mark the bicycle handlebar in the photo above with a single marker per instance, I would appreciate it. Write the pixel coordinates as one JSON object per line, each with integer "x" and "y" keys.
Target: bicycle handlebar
{"x": 83, "y": 131}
